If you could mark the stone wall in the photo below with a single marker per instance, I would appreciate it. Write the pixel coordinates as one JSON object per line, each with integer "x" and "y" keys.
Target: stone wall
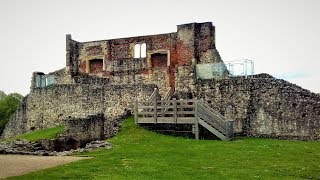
{"x": 62, "y": 76}
{"x": 80, "y": 134}
{"x": 72, "y": 55}
{"x": 262, "y": 105}
{"x": 158, "y": 77}
{"x": 185, "y": 82}
{"x": 49, "y": 106}
{"x": 85, "y": 130}
{"x": 196, "y": 44}
{"x": 18, "y": 121}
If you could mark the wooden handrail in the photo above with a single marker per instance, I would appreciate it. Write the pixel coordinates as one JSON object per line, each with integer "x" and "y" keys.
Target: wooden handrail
{"x": 153, "y": 95}
{"x": 215, "y": 119}
{"x": 167, "y": 95}
{"x": 192, "y": 109}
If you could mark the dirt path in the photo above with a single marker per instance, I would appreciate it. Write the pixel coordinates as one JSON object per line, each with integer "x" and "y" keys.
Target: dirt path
{"x": 13, "y": 165}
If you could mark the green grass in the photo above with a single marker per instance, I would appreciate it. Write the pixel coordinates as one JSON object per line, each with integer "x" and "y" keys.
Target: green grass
{"x": 33, "y": 136}
{"x": 141, "y": 154}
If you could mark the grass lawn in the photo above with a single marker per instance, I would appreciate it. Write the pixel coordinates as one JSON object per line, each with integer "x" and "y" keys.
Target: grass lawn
{"x": 33, "y": 136}
{"x": 141, "y": 154}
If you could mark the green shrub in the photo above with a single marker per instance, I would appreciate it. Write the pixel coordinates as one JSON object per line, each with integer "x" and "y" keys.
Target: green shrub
{"x": 8, "y": 105}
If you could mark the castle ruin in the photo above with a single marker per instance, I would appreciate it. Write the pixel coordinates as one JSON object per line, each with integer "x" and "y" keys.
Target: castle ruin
{"x": 108, "y": 76}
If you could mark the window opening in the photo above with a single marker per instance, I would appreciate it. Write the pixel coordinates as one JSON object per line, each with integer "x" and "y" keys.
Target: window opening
{"x": 159, "y": 59}
{"x": 137, "y": 51}
{"x": 140, "y": 50}
{"x": 44, "y": 80}
{"x": 96, "y": 66}
{"x": 143, "y": 50}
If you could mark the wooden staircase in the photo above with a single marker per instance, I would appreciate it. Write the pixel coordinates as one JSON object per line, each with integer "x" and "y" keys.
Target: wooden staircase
{"x": 191, "y": 111}
{"x": 214, "y": 121}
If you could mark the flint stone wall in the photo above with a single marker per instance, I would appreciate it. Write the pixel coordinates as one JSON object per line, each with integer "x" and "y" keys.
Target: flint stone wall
{"x": 185, "y": 82}
{"x": 157, "y": 76}
{"x": 61, "y": 76}
{"x": 18, "y": 121}
{"x": 80, "y": 131}
{"x": 262, "y": 105}
{"x": 48, "y": 106}
{"x": 86, "y": 129}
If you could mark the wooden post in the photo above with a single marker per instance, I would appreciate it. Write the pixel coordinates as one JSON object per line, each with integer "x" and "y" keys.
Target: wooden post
{"x": 175, "y": 110}
{"x": 196, "y": 123}
{"x": 136, "y": 112}
{"x": 162, "y": 107}
{"x": 229, "y": 128}
{"x": 156, "y": 95}
{"x": 155, "y": 110}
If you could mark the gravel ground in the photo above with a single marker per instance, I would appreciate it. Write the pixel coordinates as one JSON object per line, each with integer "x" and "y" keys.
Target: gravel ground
{"x": 14, "y": 165}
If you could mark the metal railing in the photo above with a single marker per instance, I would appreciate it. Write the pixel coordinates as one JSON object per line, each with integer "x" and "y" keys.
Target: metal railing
{"x": 244, "y": 67}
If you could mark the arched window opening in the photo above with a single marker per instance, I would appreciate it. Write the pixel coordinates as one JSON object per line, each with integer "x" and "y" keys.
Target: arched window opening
{"x": 143, "y": 50}
{"x": 137, "y": 51}
{"x": 140, "y": 50}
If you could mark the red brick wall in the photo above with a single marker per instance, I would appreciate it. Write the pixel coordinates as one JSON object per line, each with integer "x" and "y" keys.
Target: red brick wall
{"x": 94, "y": 50}
{"x": 120, "y": 48}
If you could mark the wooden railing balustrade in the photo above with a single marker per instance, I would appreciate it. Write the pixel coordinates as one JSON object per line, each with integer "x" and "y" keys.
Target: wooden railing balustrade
{"x": 190, "y": 111}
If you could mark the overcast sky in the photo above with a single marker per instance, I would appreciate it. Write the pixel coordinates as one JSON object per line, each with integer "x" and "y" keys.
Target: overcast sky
{"x": 280, "y": 36}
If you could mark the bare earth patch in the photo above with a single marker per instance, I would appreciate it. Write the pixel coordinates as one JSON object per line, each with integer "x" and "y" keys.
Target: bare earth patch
{"x": 14, "y": 165}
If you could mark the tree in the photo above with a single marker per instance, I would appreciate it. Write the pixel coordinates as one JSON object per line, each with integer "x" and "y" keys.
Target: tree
{"x": 8, "y": 105}
{"x": 16, "y": 95}
{"x": 2, "y": 95}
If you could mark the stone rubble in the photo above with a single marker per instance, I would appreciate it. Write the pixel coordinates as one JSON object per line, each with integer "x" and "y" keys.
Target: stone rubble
{"x": 24, "y": 147}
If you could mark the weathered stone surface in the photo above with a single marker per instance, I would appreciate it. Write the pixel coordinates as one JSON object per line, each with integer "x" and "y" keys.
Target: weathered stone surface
{"x": 104, "y": 77}
{"x": 19, "y": 146}
{"x": 38, "y": 148}
{"x": 185, "y": 82}
{"x": 98, "y": 144}
{"x": 86, "y": 129}
{"x": 50, "y": 106}
{"x": 262, "y": 105}
{"x": 80, "y": 135}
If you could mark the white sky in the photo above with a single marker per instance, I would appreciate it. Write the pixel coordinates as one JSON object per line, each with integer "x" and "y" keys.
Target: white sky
{"x": 280, "y": 36}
